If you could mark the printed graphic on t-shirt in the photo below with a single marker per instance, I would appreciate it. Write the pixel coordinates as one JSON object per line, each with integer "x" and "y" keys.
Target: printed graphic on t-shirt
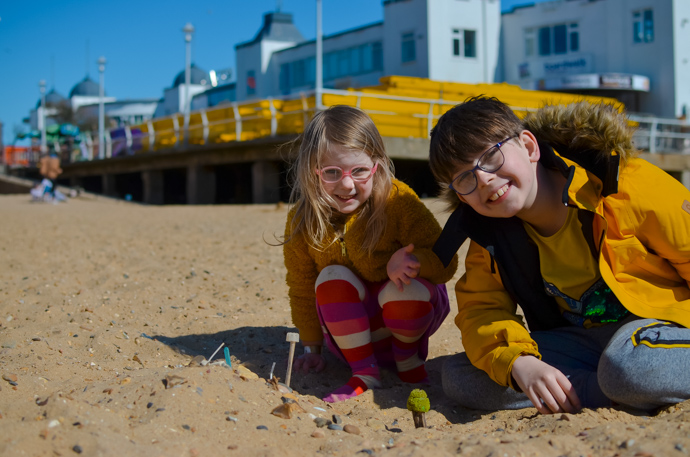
{"x": 598, "y": 305}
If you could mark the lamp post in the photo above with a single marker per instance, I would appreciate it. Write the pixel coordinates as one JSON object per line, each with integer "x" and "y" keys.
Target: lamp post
{"x": 319, "y": 57}
{"x": 101, "y": 108}
{"x": 485, "y": 57}
{"x": 42, "y": 116}
{"x": 188, "y": 31}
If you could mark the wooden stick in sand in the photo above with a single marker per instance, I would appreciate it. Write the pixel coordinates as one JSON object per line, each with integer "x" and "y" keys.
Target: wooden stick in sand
{"x": 292, "y": 338}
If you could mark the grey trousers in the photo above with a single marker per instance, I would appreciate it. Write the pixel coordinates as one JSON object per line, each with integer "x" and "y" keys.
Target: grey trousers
{"x": 641, "y": 363}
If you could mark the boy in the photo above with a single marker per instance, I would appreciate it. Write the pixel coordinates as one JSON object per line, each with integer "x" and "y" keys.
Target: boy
{"x": 593, "y": 244}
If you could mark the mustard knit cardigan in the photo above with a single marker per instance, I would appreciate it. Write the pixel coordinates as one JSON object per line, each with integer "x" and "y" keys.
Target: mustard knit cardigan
{"x": 407, "y": 221}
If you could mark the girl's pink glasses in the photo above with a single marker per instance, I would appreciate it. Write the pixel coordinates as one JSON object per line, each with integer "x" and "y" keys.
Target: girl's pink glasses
{"x": 332, "y": 175}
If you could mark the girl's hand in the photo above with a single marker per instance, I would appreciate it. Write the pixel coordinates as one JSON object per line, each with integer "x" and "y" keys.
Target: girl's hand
{"x": 548, "y": 389}
{"x": 305, "y": 362}
{"x": 403, "y": 266}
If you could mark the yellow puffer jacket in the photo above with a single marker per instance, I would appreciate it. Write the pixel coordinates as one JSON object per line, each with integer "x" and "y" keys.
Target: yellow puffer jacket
{"x": 644, "y": 258}
{"x": 408, "y": 220}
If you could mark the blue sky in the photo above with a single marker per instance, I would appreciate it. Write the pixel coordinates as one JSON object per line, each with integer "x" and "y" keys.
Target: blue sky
{"x": 141, "y": 40}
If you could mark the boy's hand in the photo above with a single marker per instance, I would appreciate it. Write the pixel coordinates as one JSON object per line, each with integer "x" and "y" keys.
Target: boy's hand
{"x": 548, "y": 389}
{"x": 305, "y": 362}
{"x": 403, "y": 266}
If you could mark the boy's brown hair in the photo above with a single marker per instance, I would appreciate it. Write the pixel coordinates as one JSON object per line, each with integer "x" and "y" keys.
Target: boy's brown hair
{"x": 465, "y": 131}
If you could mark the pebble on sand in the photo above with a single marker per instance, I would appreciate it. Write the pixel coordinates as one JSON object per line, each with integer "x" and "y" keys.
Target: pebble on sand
{"x": 321, "y": 422}
{"x": 171, "y": 381}
{"x": 351, "y": 429}
{"x": 375, "y": 424}
{"x": 246, "y": 374}
{"x": 283, "y": 411}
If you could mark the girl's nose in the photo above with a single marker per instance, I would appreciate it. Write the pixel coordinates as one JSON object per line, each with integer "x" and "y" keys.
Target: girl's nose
{"x": 347, "y": 182}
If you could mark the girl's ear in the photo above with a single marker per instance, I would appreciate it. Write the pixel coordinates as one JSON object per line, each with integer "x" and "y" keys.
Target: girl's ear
{"x": 531, "y": 145}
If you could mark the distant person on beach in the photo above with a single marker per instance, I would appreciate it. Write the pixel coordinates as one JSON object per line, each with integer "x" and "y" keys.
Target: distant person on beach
{"x": 360, "y": 270}
{"x": 49, "y": 168}
{"x": 591, "y": 242}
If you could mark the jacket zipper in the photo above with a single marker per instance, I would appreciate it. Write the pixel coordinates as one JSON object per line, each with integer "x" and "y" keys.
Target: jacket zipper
{"x": 343, "y": 250}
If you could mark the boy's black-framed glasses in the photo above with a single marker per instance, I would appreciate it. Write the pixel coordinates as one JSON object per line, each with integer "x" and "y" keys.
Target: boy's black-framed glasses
{"x": 490, "y": 161}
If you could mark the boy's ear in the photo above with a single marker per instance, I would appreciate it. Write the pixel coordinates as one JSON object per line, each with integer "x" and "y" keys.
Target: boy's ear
{"x": 531, "y": 145}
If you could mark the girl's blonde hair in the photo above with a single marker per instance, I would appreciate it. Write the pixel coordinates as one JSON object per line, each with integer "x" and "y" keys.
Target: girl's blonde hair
{"x": 352, "y": 129}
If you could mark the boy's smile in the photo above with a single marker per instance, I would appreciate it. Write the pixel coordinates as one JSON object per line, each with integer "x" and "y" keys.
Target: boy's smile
{"x": 499, "y": 193}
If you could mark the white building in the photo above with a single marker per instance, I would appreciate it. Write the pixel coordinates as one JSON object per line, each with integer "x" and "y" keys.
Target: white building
{"x": 121, "y": 112}
{"x": 84, "y": 101}
{"x": 173, "y": 100}
{"x": 634, "y": 50}
{"x": 86, "y": 92}
{"x": 53, "y": 102}
{"x": 443, "y": 40}
{"x": 449, "y": 40}
{"x": 254, "y": 80}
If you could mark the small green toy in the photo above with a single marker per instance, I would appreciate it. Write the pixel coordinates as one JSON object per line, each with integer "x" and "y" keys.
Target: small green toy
{"x": 419, "y": 404}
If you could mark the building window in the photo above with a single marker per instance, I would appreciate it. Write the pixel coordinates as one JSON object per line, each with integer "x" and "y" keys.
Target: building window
{"x": 299, "y": 73}
{"x": 251, "y": 83}
{"x": 574, "y": 38}
{"x": 545, "y": 41}
{"x": 529, "y": 42}
{"x": 355, "y": 60}
{"x": 377, "y": 56}
{"x": 284, "y": 78}
{"x": 409, "y": 52}
{"x": 560, "y": 39}
{"x": 548, "y": 40}
{"x": 643, "y": 26}
{"x": 310, "y": 70}
{"x": 470, "y": 43}
{"x": 344, "y": 62}
{"x": 464, "y": 43}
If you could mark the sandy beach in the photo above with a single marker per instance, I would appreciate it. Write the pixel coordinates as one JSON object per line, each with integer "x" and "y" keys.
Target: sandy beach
{"x": 104, "y": 306}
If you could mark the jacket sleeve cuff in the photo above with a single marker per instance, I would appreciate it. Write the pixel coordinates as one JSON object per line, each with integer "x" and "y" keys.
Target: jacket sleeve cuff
{"x": 430, "y": 265}
{"x": 503, "y": 366}
{"x": 313, "y": 335}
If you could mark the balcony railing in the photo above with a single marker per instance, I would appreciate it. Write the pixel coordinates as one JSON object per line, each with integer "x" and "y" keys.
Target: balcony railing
{"x": 658, "y": 135}
{"x": 400, "y": 107}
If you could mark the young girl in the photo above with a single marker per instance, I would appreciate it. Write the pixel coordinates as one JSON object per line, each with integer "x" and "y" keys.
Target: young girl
{"x": 360, "y": 269}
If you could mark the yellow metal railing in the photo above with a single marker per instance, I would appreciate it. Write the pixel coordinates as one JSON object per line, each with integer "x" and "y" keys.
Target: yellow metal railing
{"x": 400, "y": 107}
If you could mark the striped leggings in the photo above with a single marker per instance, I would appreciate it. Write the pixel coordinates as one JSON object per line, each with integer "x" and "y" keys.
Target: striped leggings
{"x": 374, "y": 324}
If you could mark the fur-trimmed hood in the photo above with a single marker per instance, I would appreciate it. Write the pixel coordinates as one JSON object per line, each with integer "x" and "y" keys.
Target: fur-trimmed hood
{"x": 584, "y": 126}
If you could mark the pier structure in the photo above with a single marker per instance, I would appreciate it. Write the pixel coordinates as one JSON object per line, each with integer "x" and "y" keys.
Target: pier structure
{"x": 240, "y": 152}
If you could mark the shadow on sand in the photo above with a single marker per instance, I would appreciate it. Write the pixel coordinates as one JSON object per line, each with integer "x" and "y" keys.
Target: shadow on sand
{"x": 257, "y": 348}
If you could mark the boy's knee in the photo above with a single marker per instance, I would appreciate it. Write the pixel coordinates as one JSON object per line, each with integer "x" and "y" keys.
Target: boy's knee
{"x": 628, "y": 374}
{"x": 416, "y": 290}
